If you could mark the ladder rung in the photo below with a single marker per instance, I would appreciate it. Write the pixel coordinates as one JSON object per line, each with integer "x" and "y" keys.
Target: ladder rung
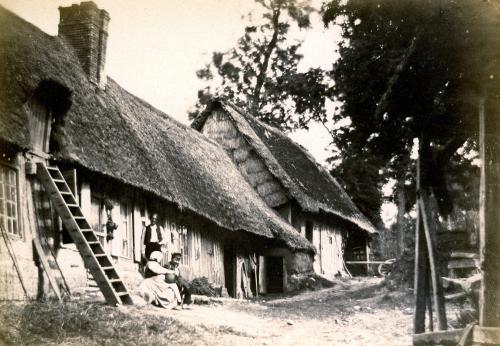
{"x": 66, "y": 192}
{"x": 72, "y": 205}
{"x": 122, "y": 293}
{"x": 52, "y": 168}
{"x": 94, "y": 242}
{"x": 79, "y": 217}
{"x": 59, "y": 180}
{"x": 100, "y": 255}
{"x": 115, "y": 280}
{"x": 107, "y": 268}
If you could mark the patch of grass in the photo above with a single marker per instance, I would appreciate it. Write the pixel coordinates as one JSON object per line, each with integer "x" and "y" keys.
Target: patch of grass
{"x": 365, "y": 292}
{"x": 51, "y": 323}
{"x": 231, "y": 330}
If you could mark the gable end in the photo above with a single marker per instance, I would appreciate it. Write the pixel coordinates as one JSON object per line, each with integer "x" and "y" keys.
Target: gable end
{"x": 219, "y": 127}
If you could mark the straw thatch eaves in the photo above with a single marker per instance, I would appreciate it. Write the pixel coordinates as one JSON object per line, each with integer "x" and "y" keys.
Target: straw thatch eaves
{"x": 116, "y": 134}
{"x": 305, "y": 180}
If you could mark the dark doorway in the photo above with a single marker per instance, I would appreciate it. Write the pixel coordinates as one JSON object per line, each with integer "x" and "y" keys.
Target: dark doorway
{"x": 309, "y": 231}
{"x": 274, "y": 274}
{"x": 229, "y": 263}
{"x": 355, "y": 250}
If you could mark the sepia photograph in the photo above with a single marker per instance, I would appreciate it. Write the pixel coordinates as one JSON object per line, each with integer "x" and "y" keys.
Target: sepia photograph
{"x": 250, "y": 172}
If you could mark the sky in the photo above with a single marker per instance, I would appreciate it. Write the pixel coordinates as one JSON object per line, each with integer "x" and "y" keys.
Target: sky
{"x": 156, "y": 46}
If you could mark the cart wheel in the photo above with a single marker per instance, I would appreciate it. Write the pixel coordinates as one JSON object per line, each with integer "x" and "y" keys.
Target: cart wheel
{"x": 385, "y": 268}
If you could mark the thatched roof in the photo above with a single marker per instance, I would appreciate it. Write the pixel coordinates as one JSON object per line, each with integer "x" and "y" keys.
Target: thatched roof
{"x": 114, "y": 133}
{"x": 309, "y": 183}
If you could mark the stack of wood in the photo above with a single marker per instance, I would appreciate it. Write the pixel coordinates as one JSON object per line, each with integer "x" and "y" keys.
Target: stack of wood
{"x": 462, "y": 264}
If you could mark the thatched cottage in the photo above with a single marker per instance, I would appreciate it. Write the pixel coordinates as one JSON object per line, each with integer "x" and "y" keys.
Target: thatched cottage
{"x": 118, "y": 157}
{"x": 288, "y": 178}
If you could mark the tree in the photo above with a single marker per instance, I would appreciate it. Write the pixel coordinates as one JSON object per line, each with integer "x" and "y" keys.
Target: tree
{"x": 408, "y": 70}
{"x": 261, "y": 73}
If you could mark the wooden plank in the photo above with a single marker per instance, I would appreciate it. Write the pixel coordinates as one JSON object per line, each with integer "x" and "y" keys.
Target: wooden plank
{"x": 12, "y": 255}
{"x": 462, "y": 263}
{"x": 365, "y": 262}
{"x": 454, "y": 296}
{"x": 447, "y": 337}
{"x": 461, "y": 254}
{"x": 486, "y": 335}
{"x": 46, "y": 267}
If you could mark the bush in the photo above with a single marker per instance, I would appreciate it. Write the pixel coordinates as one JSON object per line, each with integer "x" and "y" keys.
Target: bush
{"x": 202, "y": 287}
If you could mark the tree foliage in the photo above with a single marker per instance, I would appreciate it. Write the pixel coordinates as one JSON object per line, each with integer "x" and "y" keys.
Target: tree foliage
{"x": 411, "y": 69}
{"x": 261, "y": 73}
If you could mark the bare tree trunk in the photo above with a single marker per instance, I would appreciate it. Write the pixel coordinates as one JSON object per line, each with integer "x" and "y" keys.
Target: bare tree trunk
{"x": 267, "y": 56}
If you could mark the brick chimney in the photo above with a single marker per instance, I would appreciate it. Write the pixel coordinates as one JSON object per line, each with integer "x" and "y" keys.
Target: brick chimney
{"x": 85, "y": 28}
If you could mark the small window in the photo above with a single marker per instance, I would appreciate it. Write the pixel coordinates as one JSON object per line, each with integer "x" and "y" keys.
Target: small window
{"x": 309, "y": 231}
{"x": 9, "y": 216}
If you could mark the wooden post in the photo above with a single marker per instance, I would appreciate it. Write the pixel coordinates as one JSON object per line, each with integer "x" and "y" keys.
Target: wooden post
{"x": 421, "y": 269}
{"x": 489, "y": 230}
{"x": 46, "y": 267}
{"x": 426, "y": 262}
{"x": 437, "y": 289}
{"x": 429, "y": 304}
{"x": 421, "y": 279}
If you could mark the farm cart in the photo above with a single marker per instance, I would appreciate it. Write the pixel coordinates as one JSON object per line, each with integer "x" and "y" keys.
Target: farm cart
{"x": 384, "y": 267}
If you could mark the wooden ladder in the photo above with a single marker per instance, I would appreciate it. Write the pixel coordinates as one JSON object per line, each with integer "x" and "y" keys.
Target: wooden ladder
{"x": 91, "y": 250}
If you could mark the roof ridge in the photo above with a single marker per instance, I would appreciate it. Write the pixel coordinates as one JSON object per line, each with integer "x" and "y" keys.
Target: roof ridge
{"x": 25, "y": 22}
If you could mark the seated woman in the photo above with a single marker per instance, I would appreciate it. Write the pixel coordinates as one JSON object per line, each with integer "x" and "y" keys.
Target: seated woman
{"x": 154, "y": 289}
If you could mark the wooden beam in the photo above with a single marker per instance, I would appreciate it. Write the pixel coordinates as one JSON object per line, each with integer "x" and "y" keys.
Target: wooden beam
{"x": 486, "y": 335}
{"x": 428, "y": 302}
{"x": 461, "y": 254}
{"x": 482, "y": 209}
{"x": 489, "y": 226}
{"x": 462, "y": 263}
{"x": 437, "y": 289}
{"x": 421, "y": 270}
{"x": 480, "y": 335}
{"x": 455, "y": 296}
{"x": 46, "y": 267}
{"x": 447, "y": 337}
{"x": 12, "y": 255}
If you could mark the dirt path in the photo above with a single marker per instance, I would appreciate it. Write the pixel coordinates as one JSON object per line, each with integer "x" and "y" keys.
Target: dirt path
{"x": 359, "y": 312}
